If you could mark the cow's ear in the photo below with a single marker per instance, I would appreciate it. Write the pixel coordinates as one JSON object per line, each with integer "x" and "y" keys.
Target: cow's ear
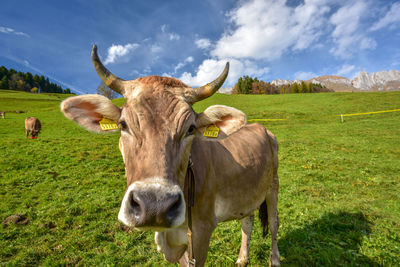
{"x": 219, "y": 121}
{"x": 94, "y": 112}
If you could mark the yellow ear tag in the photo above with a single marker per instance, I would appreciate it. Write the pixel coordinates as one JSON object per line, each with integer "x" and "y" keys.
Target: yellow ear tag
{"x": 107, "y": 124}
{"x": 211, "y": 131}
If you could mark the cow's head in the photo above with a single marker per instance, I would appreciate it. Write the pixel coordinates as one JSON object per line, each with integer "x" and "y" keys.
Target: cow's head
{"x": 157, "y": 126}
{"x": 35, "y": 133}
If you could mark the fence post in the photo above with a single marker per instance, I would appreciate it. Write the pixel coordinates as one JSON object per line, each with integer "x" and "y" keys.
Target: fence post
{"x": 341, "y": 115}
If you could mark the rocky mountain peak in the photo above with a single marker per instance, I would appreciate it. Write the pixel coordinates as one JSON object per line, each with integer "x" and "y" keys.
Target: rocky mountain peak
{"x": 382, "y": 80}
{"x": 379, "y": 81}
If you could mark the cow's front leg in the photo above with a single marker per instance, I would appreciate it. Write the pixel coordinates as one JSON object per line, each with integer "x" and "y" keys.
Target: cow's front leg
{"x": 201, "y": 234}
{"x": 247, "y": 226}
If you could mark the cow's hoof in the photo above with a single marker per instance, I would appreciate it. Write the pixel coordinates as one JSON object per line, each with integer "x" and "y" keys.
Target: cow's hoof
{"x": 274, "y": 263}
{"x": 242, "y": 262}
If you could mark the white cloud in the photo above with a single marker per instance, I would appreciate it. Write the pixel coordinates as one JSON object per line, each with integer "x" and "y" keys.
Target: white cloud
{"x": 309, "y": 27}
{"x": 179, "y": 66}
{"x": 147, "y": 70}
{"x": 189, "y": 59}
{"x": 12, "y": 31}
{"x": 182, "y": 64}
{"x": 171, "y": 35}
{"x": 155, "y": 48}
{"x": 174, "y": 37}
{"x": 203, "y": 43}
{"x": 211, "y": 68}
{"x": 302, "y": 75}
{"x": 368, "y": 43}
{"x": 349, "y": 35}
{"x": 265, "y": 29}
{"x": 261, "y": 29}
{"x": 345, "y": 69}
{"x": 118, "y": 51}
{"x": 391, "y": 17}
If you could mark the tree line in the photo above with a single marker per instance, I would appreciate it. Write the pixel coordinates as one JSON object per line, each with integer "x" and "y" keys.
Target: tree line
{"x": 249, "y": 85}
{"x": 11, "y": 79}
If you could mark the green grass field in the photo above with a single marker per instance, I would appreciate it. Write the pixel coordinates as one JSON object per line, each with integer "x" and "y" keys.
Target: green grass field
{"x": 339, "y": 199}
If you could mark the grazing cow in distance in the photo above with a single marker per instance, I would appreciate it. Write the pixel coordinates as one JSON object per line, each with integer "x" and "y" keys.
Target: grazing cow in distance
{"x": 163, "y": 141}
{"x": 3, "y": 114}
{"x": 32, "y": 127}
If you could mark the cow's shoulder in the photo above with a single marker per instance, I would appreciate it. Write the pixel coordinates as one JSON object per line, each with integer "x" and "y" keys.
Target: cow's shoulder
{"x": 263, "y": 132}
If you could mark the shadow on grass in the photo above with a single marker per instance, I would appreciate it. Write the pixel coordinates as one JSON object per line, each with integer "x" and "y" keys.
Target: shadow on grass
{"x": 332, "y": 240}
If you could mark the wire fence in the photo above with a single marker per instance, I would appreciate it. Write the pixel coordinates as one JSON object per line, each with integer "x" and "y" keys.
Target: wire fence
{"x": 341, "y": 115}
{"x": 366, "y": 113}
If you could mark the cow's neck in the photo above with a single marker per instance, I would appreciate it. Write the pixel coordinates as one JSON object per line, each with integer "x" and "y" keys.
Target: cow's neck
{"x": 190, "y": 180}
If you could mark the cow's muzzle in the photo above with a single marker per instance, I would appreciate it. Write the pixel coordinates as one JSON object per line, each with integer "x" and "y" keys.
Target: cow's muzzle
{"x": 152, "y": 204}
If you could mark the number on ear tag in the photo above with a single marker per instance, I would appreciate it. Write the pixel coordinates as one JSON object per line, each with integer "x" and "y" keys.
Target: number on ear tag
{"x": 107, "y": 124}
{"x": 211, "y": 131}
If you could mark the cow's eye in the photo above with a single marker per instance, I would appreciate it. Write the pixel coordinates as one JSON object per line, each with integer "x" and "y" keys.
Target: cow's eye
{"x": 122, "y": 125}
{"x": 191, "y": 130}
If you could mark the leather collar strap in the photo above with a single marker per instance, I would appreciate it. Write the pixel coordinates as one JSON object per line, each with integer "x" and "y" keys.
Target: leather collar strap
{"x": 190, "y": 204}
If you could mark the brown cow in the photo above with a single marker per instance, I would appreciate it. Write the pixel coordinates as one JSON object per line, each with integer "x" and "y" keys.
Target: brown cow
{"x": 32, "y": 127}
{"x": 235, "y": 171}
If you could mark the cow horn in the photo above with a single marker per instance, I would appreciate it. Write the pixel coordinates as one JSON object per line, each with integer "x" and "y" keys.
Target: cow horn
{"x": 105, "y": 75}
{"x": 209, "y": 89}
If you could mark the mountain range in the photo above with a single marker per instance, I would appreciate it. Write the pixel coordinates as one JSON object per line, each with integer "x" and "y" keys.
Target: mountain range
{"x": 379, "y": 81}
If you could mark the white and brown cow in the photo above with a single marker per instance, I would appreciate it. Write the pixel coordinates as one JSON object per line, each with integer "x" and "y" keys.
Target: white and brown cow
{"x": 235, "y": 172}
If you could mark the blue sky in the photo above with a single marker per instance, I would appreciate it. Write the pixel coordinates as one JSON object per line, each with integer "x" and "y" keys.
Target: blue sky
{"x": 192, "y": 40}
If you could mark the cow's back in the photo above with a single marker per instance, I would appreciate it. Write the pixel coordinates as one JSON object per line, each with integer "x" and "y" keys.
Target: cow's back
{"x": 236, "y": 170}
{"x": 32, "y": 123}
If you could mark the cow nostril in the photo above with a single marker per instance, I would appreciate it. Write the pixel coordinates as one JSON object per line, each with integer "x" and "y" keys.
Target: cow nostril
{"x": 174, "y": 208}
{"x": 135, "y": 206}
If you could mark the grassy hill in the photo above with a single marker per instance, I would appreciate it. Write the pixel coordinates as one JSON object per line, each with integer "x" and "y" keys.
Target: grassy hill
{"x": 339, "y": 199}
